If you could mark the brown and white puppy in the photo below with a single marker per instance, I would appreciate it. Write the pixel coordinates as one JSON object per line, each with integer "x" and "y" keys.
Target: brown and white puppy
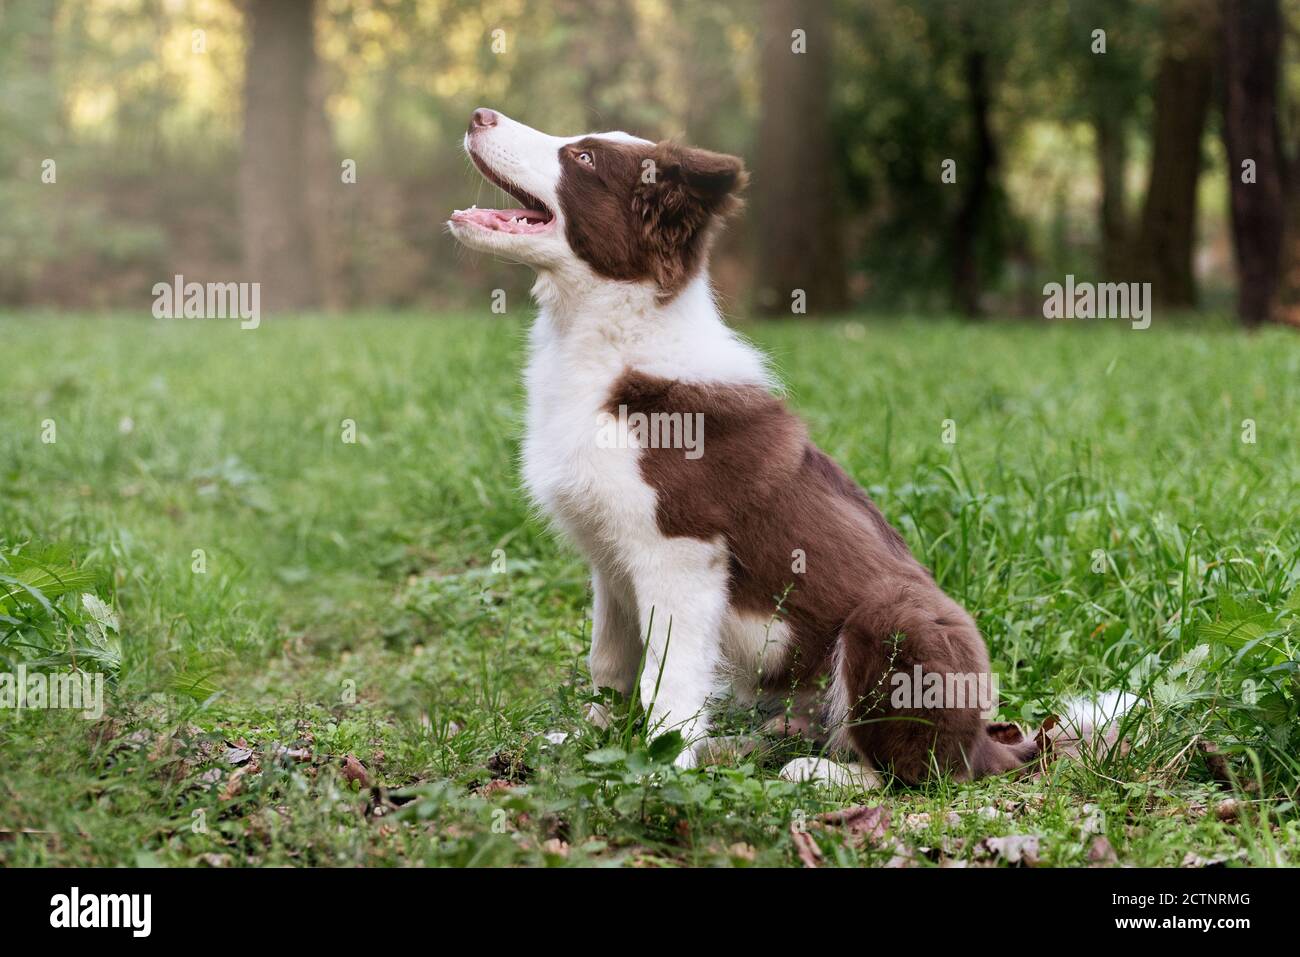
{"x": 723, "y": 543}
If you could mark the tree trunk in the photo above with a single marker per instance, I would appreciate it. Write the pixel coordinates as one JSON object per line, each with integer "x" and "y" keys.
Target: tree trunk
{"x": 795, "y": 187}
{"x": 1184, "y": 78}
{"x": 282, "y": 119}
{"x": 1287, "y": 301}
{"x": 978, "y": 180}
{"x": 1112, "y": 160}
{"x": 32, "y": 130}
{"x": 1251, "y": 35}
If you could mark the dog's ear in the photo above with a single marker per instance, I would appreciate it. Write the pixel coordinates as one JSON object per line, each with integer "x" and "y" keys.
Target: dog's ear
{"x": 681, "y": 191}
{"x": 685, "y": 175}
{"x": 1004, "y": 731}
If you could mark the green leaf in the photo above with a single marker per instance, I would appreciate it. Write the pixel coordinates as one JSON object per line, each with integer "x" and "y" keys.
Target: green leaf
{"x": 52, "y": 580}
{"x": 17, "y": 590}
{"x": 1246, "y": 635}
{"x": 606, "y": 756}
{"x": 192, "y": 684}
{"x": 666, "y": 747}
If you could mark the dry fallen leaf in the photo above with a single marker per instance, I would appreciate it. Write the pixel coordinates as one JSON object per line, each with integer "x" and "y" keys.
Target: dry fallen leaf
{"x": 555, "y": 846}
{"x": 805, "y": 846}
{"x": 209, "y": 778}
{"x": 1228, "y": 810}
{"x": 862, "y": 824}
{"x": 916, "y": 822}
{"x": 287, "y": 753}
{"x": 1100, "y": 852}
{"x": 495, "y": 786}
{"x": 741, "y": 851}
{"x": 235, "y": 755}
{"x": 234, "y": 783}
{"x": 164, "y": 749}
{"x": 103, "y": 731}
{"x": 354, "y": 770}
{"x": 902, "y": 856}
{"x": 1014, "y": 848}
{"x": 1192, "y": 859}
{"x": 1215, "y": 762}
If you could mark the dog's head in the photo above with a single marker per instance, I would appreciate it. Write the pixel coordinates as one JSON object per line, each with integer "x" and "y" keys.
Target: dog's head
{"x": 625, "y": 208}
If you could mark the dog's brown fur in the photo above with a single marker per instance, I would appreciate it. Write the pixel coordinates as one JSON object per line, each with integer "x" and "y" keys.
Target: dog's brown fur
{"x": 768, "y": 491}
{"x": 646, "y": 212}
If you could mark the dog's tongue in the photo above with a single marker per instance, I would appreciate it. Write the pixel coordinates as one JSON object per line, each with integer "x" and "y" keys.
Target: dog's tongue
{"x": 502, "y": 220}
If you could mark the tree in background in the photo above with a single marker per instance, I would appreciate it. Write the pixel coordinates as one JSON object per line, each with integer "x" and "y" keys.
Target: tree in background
{"x": 1184, "y": 78}
{"x": 1109, "y": 84}
{"x": 156, "y": 146}
{"x": 796, "y": 188}
{"x": 978, "y": 180}
{"x": 281, "y": 164}
{"x": 32, "y": 121}
{"x": 1251, "y": 40}
{"x": 918, "y": 130}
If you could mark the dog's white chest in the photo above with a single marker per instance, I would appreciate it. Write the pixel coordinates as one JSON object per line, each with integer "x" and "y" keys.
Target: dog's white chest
{"x": 590, "y": 486}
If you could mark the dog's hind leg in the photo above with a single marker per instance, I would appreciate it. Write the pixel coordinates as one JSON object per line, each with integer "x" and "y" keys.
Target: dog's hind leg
{"x": 914, "y": 686}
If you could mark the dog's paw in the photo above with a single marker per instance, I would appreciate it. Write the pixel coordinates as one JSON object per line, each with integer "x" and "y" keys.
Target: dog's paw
{"x": 687, "y": 759}
{"x": 598, "y": 715}
{"x": 829, "y": 773}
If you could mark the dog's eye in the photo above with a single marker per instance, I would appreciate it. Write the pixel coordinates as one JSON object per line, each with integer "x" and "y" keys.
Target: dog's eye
{"x": 586, "y": 158}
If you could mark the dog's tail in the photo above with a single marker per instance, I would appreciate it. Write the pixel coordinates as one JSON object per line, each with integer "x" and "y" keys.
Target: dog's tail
{"x": 1086, "y": 718}
{"x": 1092, "y": 725}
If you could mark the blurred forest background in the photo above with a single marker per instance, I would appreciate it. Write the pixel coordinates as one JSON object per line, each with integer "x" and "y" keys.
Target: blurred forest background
{"x": 212, "y": 138}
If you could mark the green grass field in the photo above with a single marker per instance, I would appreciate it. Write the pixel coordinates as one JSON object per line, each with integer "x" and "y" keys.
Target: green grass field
{"x": 381, "y": 633}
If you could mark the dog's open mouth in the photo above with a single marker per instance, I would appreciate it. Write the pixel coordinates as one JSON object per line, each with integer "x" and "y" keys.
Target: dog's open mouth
{"x": 533, "y": 216}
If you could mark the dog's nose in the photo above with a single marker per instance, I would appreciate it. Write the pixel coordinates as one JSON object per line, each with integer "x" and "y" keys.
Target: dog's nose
{"x": 482, "y": 119}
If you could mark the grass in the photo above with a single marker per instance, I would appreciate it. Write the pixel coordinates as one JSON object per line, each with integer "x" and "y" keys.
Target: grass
{"x": 380, "y": 634}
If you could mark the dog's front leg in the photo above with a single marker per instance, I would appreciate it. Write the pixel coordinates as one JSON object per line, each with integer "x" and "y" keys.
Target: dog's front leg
{"x": 615, "y": 639}
{"x": 681, "y": 591}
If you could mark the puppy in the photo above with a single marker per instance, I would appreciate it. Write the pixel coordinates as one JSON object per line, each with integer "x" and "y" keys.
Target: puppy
{"x": 726, "y": 549}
